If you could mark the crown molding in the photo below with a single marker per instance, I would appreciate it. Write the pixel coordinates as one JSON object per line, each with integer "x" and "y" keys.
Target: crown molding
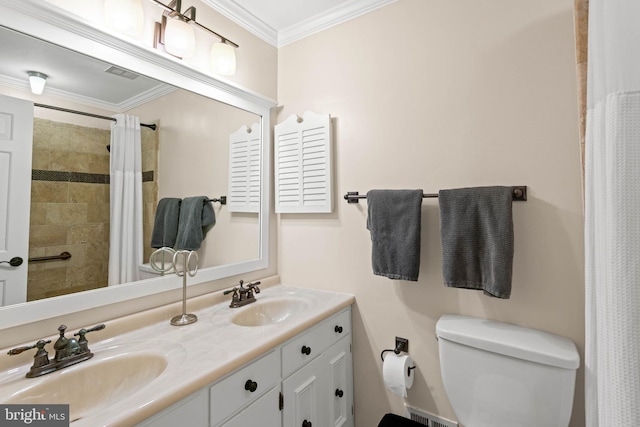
{"x": 331, "y": 17}
{"x": 236, "y": 13}
{"x": 126, "y": 105}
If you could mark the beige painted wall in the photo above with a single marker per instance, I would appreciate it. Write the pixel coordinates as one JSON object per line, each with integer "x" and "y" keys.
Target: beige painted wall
{"x": 433, "y": 94}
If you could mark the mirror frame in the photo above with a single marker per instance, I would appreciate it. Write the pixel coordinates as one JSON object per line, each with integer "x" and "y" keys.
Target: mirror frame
{"x": 47, "y": 22}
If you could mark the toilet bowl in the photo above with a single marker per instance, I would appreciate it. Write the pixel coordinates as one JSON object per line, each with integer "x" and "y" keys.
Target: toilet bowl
{"x": 501, "y": 375}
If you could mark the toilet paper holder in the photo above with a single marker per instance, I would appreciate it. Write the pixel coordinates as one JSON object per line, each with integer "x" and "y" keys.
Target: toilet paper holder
{"x": 402, "y": 344}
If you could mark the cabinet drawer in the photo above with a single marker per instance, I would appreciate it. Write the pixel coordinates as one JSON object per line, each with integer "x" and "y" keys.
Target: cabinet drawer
{"x": 235, "y": 391}
{"x": 310, "y": 344}
{"x": 263, "y": 412}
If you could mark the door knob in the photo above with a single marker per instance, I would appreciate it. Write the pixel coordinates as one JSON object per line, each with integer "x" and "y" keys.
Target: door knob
{"x": 13, "y": 262}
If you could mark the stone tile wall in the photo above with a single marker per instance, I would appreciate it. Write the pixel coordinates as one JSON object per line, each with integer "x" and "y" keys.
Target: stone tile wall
{"x": 69, "y": 209}
{"x": 70, "y": 206}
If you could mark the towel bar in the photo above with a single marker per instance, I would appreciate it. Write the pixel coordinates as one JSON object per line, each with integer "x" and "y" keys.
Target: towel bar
{"x": 519, "y": 195}
{"x": 222, "y": 200}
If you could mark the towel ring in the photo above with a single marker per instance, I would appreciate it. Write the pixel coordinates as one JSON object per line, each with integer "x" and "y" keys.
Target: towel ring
{"x": 186, "y": 262}
{"x": 153, "y": 262}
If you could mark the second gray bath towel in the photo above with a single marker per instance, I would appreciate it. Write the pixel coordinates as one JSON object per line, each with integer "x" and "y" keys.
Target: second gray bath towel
{"x": 394, "y": 220}
{"x": 476, "y": 230}
{"x": 196, "y": 218}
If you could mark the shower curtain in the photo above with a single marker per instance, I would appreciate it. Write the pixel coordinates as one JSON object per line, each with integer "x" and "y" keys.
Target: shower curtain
{"x": 125, "y": 245}
{"x": 612, "y": 215}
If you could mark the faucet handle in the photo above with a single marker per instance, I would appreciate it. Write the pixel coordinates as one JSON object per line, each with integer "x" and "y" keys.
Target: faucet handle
{"x": 254, "y": 286}
{"x": 82, "y": 332}
{"x": 228, "y": 291}
{"x": 40, "y": 344}
{"x": 95, "y": 328}
{"x": 82, "y": 341}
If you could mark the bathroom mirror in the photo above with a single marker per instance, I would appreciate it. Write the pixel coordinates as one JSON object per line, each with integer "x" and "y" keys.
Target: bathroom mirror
{"x": 206, "y": 94}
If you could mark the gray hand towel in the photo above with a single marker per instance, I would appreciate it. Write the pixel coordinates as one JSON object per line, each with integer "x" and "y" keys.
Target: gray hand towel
{"x": 476, "y": 231}
{"x": 196, "y": 218}
{"x": 394, "y": 220}
{"x": 165, "y": 225}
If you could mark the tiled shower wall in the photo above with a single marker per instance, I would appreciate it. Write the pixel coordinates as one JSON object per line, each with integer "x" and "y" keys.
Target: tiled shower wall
{"x": 70, "y": 206}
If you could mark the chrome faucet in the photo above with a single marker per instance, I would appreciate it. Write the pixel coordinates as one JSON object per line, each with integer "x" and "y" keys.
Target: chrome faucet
{"x": 69, "y": 351}
{"x": 243, "y": 295}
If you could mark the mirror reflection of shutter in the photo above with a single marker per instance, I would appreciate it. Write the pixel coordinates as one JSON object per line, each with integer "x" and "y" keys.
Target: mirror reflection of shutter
{"x": 303, "y": 164}
{"x": 244, "y": 170}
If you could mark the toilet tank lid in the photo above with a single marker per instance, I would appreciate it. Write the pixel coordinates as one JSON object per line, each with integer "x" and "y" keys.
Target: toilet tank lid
{"x": 510, "y": 340}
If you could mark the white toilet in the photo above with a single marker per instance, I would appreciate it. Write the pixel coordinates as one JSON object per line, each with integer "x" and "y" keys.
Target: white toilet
{"x": 501, "y": 375}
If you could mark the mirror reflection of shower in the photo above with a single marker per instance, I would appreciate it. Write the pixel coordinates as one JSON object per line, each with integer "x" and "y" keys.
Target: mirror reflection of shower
{"x": 70, "y": 206}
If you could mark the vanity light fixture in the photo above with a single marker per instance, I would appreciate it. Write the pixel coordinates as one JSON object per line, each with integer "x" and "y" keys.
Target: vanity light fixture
{"x": 37, "y": 81}
{"x": 124, "y": 16}
{"x": 223, "y": 59}
{"x": 175, "y": 33}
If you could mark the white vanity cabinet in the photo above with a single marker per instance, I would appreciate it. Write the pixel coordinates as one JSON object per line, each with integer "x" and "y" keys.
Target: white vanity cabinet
{"x": 304, "y": 382}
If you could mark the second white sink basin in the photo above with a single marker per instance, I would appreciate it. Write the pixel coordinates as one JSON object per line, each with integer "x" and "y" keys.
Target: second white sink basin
{"x": 270, "y": 311}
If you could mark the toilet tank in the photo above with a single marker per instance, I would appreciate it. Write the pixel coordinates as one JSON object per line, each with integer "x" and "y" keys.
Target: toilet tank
{"x": 502, "y": 375}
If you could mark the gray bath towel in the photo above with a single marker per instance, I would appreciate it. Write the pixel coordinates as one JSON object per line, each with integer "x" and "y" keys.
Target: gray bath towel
{"x": 196, "y": 218}
{"x": 394, "y": 220}
{"x": 476, "y": 231}
{"x": 165, "y": 225}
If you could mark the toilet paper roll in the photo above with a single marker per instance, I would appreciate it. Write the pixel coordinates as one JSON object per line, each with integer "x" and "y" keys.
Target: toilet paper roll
{"x": 396, "y": 374}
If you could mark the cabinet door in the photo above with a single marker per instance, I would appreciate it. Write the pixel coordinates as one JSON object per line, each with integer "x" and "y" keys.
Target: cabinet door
{"x": 303, "y": 393}
{"x": 340, "y": 391}
{"x": 264, "y": 412}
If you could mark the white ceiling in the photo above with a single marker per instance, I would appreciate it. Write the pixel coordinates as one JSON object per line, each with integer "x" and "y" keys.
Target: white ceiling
{"x": 280, "y": 22}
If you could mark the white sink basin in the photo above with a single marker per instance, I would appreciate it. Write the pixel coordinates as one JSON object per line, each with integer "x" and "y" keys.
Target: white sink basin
{"x": 270, "y": 311}
{"x": 117, "y": 371}
{"x": 90, "y": 386}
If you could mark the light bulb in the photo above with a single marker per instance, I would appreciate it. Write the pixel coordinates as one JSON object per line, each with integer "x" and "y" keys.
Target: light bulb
{"x": 37, "y": 81}
{"x": 124, "y": 16}
{"x": 223, "y": 59}
{"x": 179, "y": 39}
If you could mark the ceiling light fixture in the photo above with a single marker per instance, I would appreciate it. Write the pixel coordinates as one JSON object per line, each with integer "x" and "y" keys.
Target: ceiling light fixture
{"x": 178, "y": 37}
{"x": 37, "y": 81}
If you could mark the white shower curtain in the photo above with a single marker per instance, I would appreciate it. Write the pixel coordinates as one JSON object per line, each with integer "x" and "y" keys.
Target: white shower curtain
{"x": 125, "y": 245}
{"x": 612, "y": 215}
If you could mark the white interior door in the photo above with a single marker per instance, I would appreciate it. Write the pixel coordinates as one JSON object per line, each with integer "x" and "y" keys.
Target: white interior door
{"x": 16, "y": 138}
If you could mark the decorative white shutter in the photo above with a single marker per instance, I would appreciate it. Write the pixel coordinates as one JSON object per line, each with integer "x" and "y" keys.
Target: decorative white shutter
{"x": 244, "y": 169}
{"x": 303, "y": 164}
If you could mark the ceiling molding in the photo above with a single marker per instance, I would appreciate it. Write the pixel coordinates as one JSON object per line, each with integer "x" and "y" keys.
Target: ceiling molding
{"x": 126, "y": 105}
{"x": 348, "y": 10}
{"x": 330, "y": 18}
{"x": 236, "y": 13}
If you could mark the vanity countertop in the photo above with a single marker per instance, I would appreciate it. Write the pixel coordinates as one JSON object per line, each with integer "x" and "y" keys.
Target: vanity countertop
{"x": 202, "y": 352}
